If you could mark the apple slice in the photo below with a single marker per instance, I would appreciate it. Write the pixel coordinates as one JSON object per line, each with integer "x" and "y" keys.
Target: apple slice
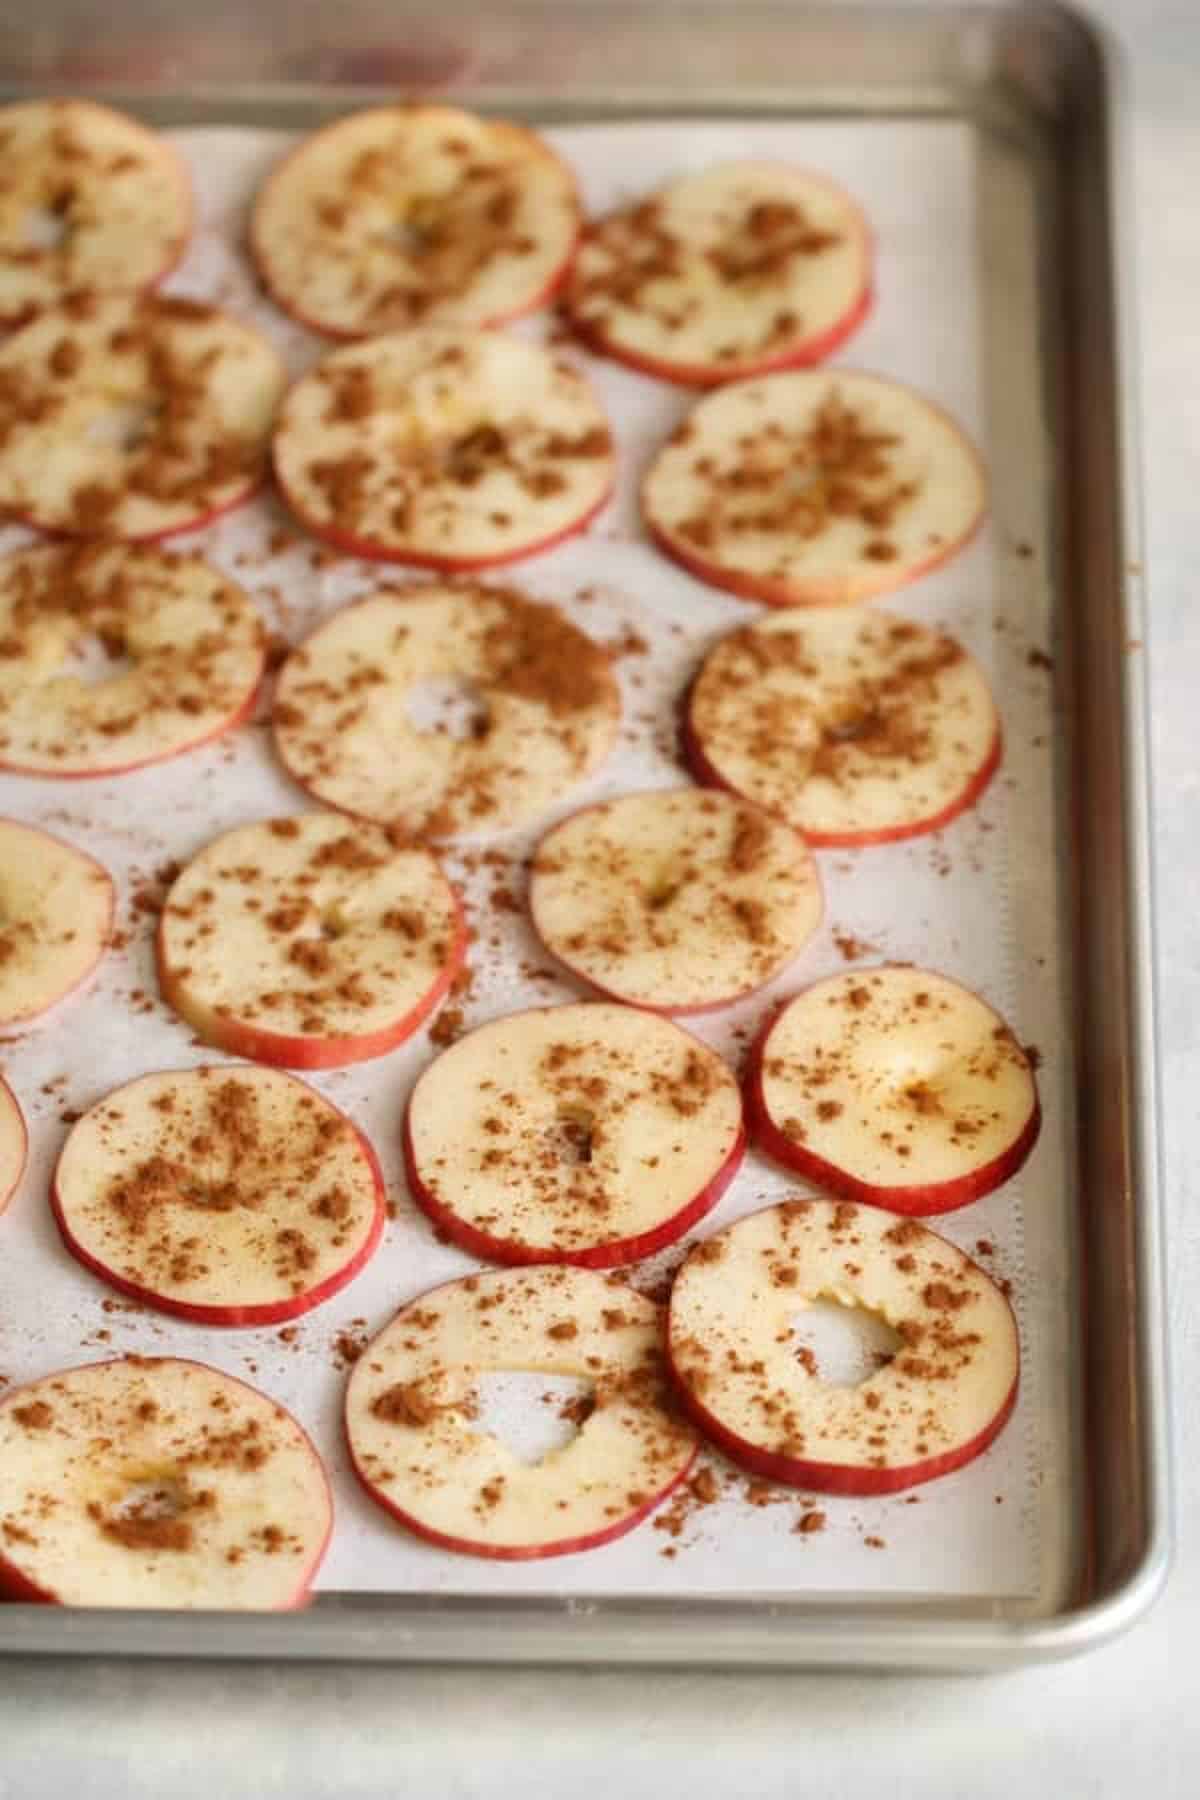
{"x": 131, "y": 419}
{"x": 518, "y": 706}
{"x": 896, "y": 1086}
{"x": 56, "y": 913}
{"x": 193, "y": 646}
{"x": 309, "y": 941}
{"x": 414, "y": 215}
{"x": 724, "y": 272}
{"x": 228, "y": 1196}
{"x": 813, "y": 488}
{"x": 678, "y": 899}
{"x": 14, "y": 1144}
{"x": 448, "y": 449}
{"x": 855, "y": 727}
{"x": 413, "y": 1396}
{"x": 588, "y": 1134}
{"x": 150, "y": 1481}
{"x": 91, "y": 202}
{"x": 941, "y": 1399}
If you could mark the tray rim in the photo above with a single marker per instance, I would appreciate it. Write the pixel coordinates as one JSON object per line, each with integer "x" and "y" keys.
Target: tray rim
{"x": 931, "y": 1633}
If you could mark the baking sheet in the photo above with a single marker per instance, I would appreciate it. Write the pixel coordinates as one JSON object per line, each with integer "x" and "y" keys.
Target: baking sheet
{"x": 979, "y": 900}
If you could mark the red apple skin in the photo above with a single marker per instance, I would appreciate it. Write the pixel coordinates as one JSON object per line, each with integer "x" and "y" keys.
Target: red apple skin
{"x": 837, "y": 1478}
{"x": 708, "y": 776}
{"x": 6, "y": 1194}
{"x": 40, "y": 1018}
{"x": 802, "y": 354}
{"x": 613, "y": 1255}
{"x": 915, "y": 1202}
{"x": 281, "y": 1051}
{"x": 447, "y": 565}
{"x": 522, "y": 1552}
{"x": 162, "y": 149}
{"x": 340, "y": 334}
{"x": 674, "y": 1012}
{"x": 62, "y": 534}
{"x": 277, "y": 1312}
{"x": 245, "y": 711}
{"x": 16, "y": 1586}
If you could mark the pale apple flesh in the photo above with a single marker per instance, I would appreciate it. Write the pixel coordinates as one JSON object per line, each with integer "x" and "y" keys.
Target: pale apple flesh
{"x": 414, "y": 215}
{"x": 939, "y": 1402}
{"x": 92, "y": 202}
{"x": 547, "y": 709}
{"x": 678, "y": 899}
{"x": 444, "y": 447}
{"x": 413, "y": 1397}
{"x": 814, "y": 488}
{"x": 283, "y": 1208}
{"x": 56, "y": 914}
{"x": 723, "y": 273}
{"x": 132, "y": 419}
{"x": 193, "y": 643}
{"x": 856, "y": 727}
{"x": 310, "y": 942}
{"x": 14, "y": 1144}
{"x": 156, "y": 1482}
{"x": 896, "y": 1086}
{"x": 586, "y": 1134}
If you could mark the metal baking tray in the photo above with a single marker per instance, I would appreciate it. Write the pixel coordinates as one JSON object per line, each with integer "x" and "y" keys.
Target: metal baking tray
{"x": 1039, "y": 89}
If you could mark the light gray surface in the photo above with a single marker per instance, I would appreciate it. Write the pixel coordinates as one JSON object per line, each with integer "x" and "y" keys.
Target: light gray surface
{"x": 1124, "y": 1719}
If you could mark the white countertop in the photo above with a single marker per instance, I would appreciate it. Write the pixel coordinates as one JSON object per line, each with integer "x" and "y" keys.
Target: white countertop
{"x": 1115, "y": 1723}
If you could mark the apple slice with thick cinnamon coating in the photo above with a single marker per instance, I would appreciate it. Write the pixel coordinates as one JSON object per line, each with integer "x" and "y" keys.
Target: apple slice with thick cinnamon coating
{"x": 724, "y": 272}
{"x": 814, "y": 488}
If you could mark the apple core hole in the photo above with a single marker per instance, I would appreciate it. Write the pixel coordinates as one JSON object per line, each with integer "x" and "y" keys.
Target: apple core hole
{"x": 534, "y": 1415}
{"x": 157, "y": 1497}
{"x": 413, "y": 232}
{"x": 46, "y": 227}
{"x": 448, "y": 706}
{"x": 572, "y": 1135}
{"x": 842, "y": 1346}
{"x": 98, "y": 656}
{"x": 662, "y": 891}
{"x": 123, "y": 425}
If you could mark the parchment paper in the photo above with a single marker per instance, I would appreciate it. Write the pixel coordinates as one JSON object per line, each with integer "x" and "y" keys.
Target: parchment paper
{"x": 977, "y": 900}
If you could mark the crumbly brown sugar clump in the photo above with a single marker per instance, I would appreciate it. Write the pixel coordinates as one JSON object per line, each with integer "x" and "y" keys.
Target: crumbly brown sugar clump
{"x": 185, "y": 646}
{"x": 733, "y": 269}
{"x": 413, "y": 215}
{"x": 677, "y": 899}
{"x": 538, "y": 708}
{"x": 233, "y": 1195}
{"x": 445, "y": 448}
{"x": 855, "y": 727}
{"x": 132, "y": 419}
{"x": 90, "y": 202}
{"x": 807, "y": 488}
